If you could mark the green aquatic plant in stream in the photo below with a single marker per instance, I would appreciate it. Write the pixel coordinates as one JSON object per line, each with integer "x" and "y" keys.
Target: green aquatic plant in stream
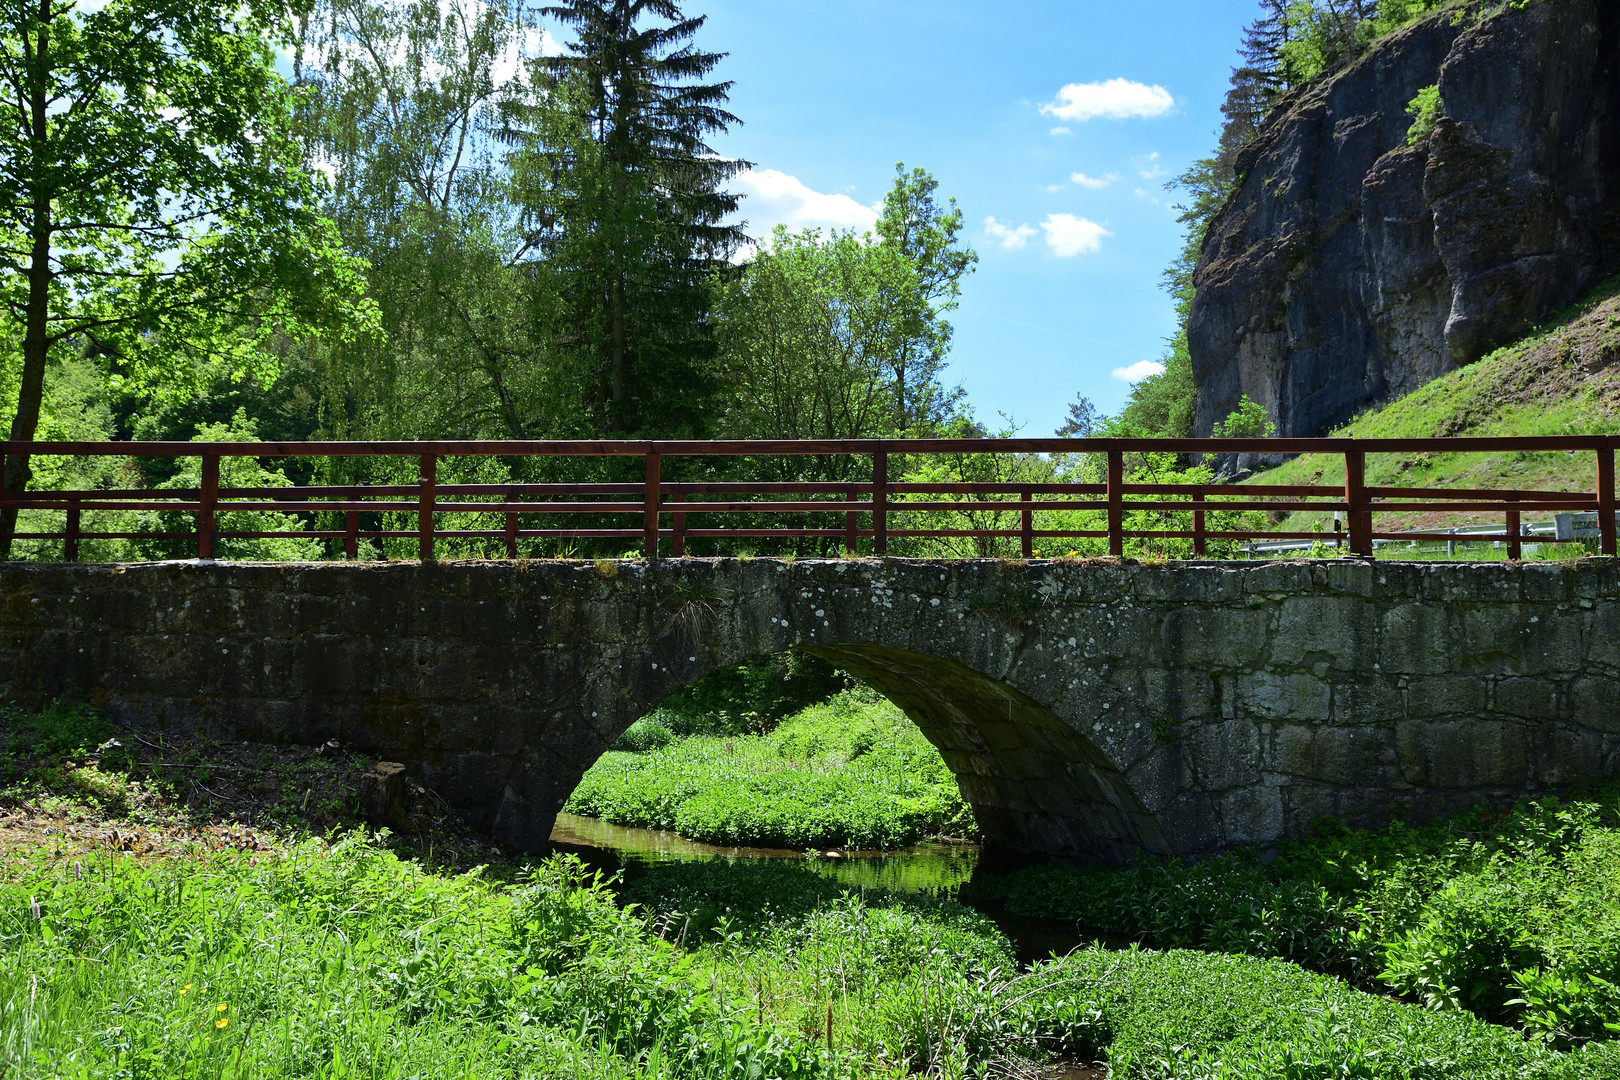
{"x": 849, "y": 772}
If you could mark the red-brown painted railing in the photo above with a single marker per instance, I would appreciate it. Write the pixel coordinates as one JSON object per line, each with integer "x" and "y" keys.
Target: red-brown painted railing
{"x": 654, "y": 498}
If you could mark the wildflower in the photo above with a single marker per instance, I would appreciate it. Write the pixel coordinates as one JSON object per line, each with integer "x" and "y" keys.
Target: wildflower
{"x": 185, "y": 988}
{"x": 222, "y": 1021}
{"x": 220, "y": 1007}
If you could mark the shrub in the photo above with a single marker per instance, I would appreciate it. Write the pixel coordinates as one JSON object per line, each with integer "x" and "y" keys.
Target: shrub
{"x": 1425, "y": 110}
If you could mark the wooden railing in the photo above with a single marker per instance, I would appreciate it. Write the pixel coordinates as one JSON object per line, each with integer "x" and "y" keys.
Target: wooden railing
{"x": 865, "y": 509}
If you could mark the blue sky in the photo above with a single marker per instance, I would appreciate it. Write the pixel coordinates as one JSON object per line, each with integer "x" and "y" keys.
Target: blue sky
{"x": 833, "y": 93}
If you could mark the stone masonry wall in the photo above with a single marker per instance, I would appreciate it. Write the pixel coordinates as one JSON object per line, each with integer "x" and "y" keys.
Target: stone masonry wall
{"x": 1089, "y": 710}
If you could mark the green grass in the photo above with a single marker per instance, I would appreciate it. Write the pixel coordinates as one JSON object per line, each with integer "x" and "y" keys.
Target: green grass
{"x": 1562, "y": 379}
{"x": 850, "y": 772}
{"x": 1510, "y": 914}
{"x": 343, "y": 961}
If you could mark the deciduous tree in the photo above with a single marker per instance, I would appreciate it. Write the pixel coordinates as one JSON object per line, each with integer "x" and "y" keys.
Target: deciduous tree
{"x": 153, "y": 203}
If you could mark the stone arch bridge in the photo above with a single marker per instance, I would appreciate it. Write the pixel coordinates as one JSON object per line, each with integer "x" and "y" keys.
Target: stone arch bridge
{"x": 1089, "y": 710}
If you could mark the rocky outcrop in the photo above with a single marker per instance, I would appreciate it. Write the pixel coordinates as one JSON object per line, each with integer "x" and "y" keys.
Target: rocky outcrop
{"x": 1351, "y": 268}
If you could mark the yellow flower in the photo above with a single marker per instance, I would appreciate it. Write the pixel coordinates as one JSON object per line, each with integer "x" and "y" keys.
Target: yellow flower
{"x": 220, "y": 1007}
{"x": 221, "y": 1022}
{"x": 184, "y": 988}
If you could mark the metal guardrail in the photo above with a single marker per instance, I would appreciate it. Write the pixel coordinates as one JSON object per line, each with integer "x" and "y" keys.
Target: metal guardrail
{"x": 860, "y": 510}
{"x": 1558, "y": 531}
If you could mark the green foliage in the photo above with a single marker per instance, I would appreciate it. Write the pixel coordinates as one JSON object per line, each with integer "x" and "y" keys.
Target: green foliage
{"x": 1247, "y": 421}
{"x": 753, "y": 696}
{"x": 844, "y": 336}
{"x": 1425, "y": 110}
{"x": 62, "y": 730}
{"x": 165, "y": 215}
{"x": 1507, "y": 914}
{"x": 850, "y": 772}
{"x": 341, "y": 960}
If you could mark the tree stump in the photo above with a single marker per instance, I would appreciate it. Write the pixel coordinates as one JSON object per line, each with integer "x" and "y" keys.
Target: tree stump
{"x": 383, "y": 793}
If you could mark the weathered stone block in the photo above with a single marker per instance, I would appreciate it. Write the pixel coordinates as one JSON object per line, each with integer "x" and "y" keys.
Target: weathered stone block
{"x": 1283, "y": 697}
{"x": 1514, "y": 639}
{"x": 1447, "y": 695}
{"x": 1418, "y": 639}
{"x": 1324, "y": 629}
{"x": 1463, "y": 754}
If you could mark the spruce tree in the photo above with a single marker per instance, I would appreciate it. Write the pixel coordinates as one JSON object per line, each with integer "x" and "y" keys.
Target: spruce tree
{"x": 642, "y": 211}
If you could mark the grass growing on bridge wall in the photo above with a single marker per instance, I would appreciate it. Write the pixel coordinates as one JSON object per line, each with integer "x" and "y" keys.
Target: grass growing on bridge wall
{"x": 1512, "y": 914}
{"x": 852, "y": 772}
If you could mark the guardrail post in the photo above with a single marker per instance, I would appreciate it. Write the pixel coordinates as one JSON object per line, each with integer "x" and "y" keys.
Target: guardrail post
{"x": 1200, "y": 544}
{"x": 852, "y": 521}
{"x": 1515, "y": 549}
{"x": 424, "y": 507}
{"x": 649, "y": 509}
{"x": 1116, "y": 503}
{"x": 679, "y": 543}
{"x": 1026, "y": 526}
{"x": 1355, "y": 495}
{"x": 1605, "y": 498}
{"x": 70, "y": 540}
{"x": 511, "y": 534}
{"x": 880, "y": 502}
{"x": 351, "y": 535}
{"x": 205, "y": 506}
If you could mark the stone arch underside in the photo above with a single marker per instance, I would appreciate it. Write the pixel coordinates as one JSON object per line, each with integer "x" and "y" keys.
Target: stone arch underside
{"x": 1035, "y": 784}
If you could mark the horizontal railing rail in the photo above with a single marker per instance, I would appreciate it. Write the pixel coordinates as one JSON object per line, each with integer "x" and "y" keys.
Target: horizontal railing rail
{"x": 870, "y": 507}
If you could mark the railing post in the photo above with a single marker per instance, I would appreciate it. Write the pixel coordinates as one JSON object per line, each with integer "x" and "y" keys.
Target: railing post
{"x": 1355, "y": 497}
{"x": 678, "y": 548}
{"x": 70, "y": 541}
{"x": 1116, "y": 503}
{"x": 351, "y": 535}
{"x": 424, "y": 507}
{"x": 852, "y": 521}
{"x": 1026, "y": 526}
{"x": 649, "y": 509}
{"x": 880, "y": 502}
{"x": 205, "y": 506}
{"x": 1605, "y": 498}
{"x": 1200, "y": 545}
{"x": 511, "y": 534}
{"x": 1514, "y": 548}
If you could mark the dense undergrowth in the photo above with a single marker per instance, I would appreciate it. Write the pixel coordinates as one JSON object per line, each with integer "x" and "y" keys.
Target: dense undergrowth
{"x": 851, "y": 771}
{"x": 344, "y": 961}
{"x": 1509, "y": 914}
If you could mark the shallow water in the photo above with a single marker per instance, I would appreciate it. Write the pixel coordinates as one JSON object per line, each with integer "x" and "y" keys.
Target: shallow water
{"x": 932, "y": 867}
{"x": 936, "y": 867}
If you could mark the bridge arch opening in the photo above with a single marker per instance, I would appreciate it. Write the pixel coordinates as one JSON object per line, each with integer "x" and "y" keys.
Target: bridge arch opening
{"x": 1033, "y": 783}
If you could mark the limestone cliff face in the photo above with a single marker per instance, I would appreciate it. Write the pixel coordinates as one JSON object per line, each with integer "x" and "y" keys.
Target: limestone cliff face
{"x": 1351, "y": 268}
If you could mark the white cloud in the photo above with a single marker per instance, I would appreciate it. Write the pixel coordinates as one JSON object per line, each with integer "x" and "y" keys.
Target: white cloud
{"x": 1150, "y": 168}
{"x": 1051, "y": 187}
{"x": 1069, "y": 236}
{"x": 775, "y": 198}
{"x": 1058, "y": 131}
{"x": 1138, "y": 371}
{"x": 1010, "y": 238}
{"x": 1116, "y": 99}
{"x": 1094, "y": 182}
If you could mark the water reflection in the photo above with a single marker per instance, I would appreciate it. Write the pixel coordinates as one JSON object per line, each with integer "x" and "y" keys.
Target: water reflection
{"x": 931, "y": 867}
{"x": 936, "y": 867}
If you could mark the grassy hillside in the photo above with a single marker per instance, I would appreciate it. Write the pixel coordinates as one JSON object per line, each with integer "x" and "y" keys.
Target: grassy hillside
{"x": 1562, "y": 379}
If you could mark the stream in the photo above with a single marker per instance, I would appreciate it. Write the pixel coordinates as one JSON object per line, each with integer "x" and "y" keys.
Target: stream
{"x": 937, "y": 867}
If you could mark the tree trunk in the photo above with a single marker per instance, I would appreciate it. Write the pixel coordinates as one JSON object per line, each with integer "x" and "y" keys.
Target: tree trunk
{"x": 36, "y": 340}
